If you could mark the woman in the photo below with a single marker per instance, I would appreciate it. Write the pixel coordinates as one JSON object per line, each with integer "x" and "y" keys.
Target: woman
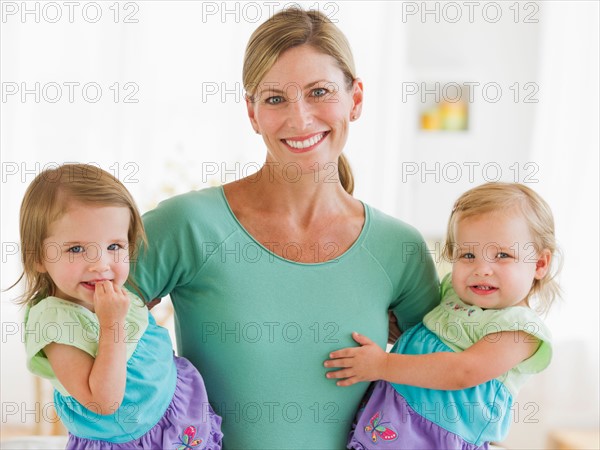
{"x": 271, "y": 273}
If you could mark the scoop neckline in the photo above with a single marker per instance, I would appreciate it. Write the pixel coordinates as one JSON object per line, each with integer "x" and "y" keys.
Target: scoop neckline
{"x": 356, "y": 244}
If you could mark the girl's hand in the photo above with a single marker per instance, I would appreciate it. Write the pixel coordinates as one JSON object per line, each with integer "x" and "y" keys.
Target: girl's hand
{"x": 101, "y": 380}
{"x": 365, "y": 363}
{"x": 111, "y": 304}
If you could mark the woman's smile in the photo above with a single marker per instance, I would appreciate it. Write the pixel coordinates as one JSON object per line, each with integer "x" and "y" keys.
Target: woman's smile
{"x": 306, "y": 143}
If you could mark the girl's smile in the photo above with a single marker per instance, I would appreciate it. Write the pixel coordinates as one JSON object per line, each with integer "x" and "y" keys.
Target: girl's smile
{"x": 482, "y": 289}
{"x": 91, "y": 285}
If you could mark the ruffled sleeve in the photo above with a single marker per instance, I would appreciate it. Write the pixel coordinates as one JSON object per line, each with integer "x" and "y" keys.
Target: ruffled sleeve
{"x": 521, "y": 318}
{"x": 56, "y": 320}
{"x": 60, "y": 321}
{"x": 460, "y": 325}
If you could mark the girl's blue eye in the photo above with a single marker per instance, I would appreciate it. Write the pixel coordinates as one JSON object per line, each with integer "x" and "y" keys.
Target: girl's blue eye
{"x": 468, "y": 256}
{"x": 275, "y": 100}
{"x": 114, "y": 247}
{"x": 503, "y": 255}
{"x": 76, "y": 249}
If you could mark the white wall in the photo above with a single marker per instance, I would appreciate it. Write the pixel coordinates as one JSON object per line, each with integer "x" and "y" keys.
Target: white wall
{"x": 491, "y": 57}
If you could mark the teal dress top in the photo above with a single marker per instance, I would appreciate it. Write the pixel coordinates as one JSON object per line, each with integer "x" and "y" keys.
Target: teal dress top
{"x": 151, "y": 373}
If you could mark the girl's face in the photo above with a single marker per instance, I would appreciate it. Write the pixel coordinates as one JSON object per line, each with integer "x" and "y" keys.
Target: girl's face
{"x": 302, "y": 109}
{"x": 86, "y": 245}
{"x": 496, "y": 260}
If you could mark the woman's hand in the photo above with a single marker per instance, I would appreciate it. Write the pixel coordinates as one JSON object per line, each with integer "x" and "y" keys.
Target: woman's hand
{"x": 394, "y": 331}
{"x": 153, "y": 303}
{"x": 365, "y": 363}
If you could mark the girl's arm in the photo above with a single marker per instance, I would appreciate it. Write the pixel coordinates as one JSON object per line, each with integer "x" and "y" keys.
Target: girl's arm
{"x": 99, "y": 383}
{"x": 485, "y": 360}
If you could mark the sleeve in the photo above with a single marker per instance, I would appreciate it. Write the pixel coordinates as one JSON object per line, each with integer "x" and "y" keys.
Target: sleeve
{"x": 172, "y": 256}
{"x": 542, "y": 357}
{"x": 446, "y": 289}
{"x": 417, "y": 290}
{"x": 524, "y": 319}
{"x": 58, "y": 323}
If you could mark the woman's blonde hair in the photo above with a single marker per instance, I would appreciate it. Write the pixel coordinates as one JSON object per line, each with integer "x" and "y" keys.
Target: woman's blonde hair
{"x": 499, "y": 197}
{"x": 291, "y": 28}
{"x": 47, "y": 198}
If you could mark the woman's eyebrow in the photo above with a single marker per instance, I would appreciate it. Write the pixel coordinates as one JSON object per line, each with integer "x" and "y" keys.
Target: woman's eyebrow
{"x": 269, "y": 86}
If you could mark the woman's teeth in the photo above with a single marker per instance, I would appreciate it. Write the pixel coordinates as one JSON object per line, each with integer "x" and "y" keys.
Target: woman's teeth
{"x": 306, "y": 143}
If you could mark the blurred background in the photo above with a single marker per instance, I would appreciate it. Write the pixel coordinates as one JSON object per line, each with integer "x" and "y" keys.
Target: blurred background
{"x": 456, "y": 94}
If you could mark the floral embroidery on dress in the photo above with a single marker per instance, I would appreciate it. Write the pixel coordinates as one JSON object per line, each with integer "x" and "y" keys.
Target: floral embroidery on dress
{"x": 457, "y": 307}
{"x": 188, "y": 440}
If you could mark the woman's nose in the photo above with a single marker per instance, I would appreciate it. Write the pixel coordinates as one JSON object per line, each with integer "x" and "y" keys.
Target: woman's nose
{"x": 299, "y": 114}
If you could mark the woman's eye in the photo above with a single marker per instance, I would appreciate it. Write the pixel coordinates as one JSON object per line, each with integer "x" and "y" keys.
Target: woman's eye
{"x": 275, "y": 100}
{"x": 76, "y": 249}
{"x": 114, "y": 247}
{"x": 319, "y": 92}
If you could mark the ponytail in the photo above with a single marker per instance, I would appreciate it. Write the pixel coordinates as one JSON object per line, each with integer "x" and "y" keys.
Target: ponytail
{"x": 345, "y": 174}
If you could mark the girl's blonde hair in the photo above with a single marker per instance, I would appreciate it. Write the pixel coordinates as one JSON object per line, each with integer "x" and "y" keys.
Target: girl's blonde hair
{"x": 47, "y": 198}
{"x": 498, "y": 197}
{"x": 291, "y": 28}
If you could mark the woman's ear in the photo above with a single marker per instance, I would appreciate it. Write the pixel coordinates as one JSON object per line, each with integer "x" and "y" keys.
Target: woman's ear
{"x": 251, "y": 115}
{"x": 542, "y": 265}
{"x": 357, "y": 98}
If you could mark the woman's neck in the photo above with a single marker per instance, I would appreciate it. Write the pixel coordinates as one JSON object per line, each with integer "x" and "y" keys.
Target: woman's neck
{"x": 311, "y": 215}
{"x": 301, "y": 197}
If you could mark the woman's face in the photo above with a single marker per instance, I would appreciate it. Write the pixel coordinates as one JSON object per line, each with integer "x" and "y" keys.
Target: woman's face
{"x": 302, "y": 109}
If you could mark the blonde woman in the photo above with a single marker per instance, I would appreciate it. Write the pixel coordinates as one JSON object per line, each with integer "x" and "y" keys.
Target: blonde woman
{"x": 271, "y": 273}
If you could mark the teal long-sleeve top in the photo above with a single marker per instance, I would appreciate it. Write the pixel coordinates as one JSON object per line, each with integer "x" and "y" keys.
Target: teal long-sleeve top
{"x": 259, "y": 327}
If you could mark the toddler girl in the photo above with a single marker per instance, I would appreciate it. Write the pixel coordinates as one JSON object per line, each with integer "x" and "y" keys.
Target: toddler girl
{"x": 117, "y": 383}
{"x": 450, "y": 381}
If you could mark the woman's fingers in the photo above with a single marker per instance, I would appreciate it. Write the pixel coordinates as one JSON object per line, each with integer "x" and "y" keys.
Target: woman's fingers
{"x": 394, "y": 331}
{"x": 153, "y": 303}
